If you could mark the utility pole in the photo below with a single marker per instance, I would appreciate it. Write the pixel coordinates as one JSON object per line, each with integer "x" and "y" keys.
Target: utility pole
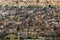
{"x": 18, "y": 32}
{"x": 17, "y": 1}
{"x": 18, "y": 36}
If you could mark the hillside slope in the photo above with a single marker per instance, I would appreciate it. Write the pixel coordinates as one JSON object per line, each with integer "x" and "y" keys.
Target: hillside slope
{"x": 29, "y": 2}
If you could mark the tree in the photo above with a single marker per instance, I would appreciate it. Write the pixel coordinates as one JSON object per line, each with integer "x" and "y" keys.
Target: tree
{"x": 29, "y": 37}
{"x": 50, "y": 6}
{"x": 11, "y": 37}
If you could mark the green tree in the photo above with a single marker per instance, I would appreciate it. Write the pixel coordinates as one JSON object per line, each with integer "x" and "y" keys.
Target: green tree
{"x": 11, "y": 37}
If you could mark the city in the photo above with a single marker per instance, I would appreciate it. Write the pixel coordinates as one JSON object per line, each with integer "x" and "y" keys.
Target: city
{"x": 32, "y": 22}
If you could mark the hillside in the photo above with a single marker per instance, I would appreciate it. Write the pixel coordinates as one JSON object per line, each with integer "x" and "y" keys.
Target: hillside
{"x": 29, "y": 2}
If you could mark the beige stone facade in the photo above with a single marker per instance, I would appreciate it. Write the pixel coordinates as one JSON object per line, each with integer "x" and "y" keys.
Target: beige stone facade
{"x": 30, "y": 2}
